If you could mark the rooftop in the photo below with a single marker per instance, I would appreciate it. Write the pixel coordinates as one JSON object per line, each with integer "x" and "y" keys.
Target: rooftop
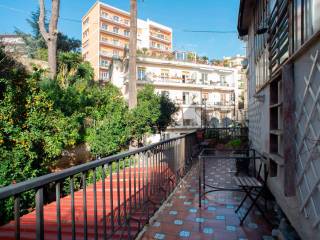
{"x": 148, "y": 21}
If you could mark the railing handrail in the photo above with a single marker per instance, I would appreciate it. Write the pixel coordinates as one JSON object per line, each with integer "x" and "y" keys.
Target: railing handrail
{"x": 225, "y": 128}
{"x": 21, "y": 187}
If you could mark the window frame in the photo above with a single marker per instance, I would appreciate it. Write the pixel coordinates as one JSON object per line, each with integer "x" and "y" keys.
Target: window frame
{"x": 141, "y": 72}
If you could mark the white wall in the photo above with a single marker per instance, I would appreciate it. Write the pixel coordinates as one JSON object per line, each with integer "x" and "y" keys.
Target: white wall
{"x": 302, "y": 219}
{"x": 190, "y": 110}
{"x": 143, "y": 37}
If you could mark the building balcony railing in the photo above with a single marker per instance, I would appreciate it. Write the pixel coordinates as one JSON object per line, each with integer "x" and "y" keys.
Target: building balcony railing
{"x": 121, "y": 22}
{"x": 220, "y": 104}
{"x": 160, "y": 37}
{"x": 126, "y": 36}
{"x": 188, "y": 81}
{"x": 208, "y": 105}
{"x": 109, "y": 54}
{"x": 161, "y": 49}
{"x": 113, "y": 44}
{"x": 171, "y": 56}
{"x": 180, "y": 125}
{"x": 175, "y": 80}
{"x": 105, "y": 66}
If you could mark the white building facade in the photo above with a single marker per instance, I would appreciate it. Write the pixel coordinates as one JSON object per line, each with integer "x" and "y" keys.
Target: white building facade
{"x": 284, "y": 102}
{"x": 206, "y": 95}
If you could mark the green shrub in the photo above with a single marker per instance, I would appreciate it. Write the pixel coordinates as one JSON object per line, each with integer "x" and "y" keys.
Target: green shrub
{"x": 40, "y": 117}
{"x": 236, "y": 143}
{"x": 41, "y": 54}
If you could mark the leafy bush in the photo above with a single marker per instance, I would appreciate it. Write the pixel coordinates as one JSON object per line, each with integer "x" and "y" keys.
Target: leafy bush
{"x": 144, "y": 117}
{"x": 41, "y": 54}
{"x": 213, "y": 134}
{"x": 167, "y": 110}
{"x": 154, "y": 113}
{"x": 32, "y": 132}
{"x": 107, "y": 130}
{"x": 40, "y": 117}
{"x": 236, "y": 143}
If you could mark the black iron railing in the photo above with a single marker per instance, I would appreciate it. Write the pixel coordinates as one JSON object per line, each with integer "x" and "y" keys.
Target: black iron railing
{"x": 113, "y": 196}
{"x": 222, "y": 135}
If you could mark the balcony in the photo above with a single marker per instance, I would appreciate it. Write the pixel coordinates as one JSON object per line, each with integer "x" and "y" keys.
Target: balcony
{"x": 118, "y": 34}
{"x": 109, "y": 54}
{"x": 209, "y": 105}
{"x": 104, "y": 66}
{"x": 172, "y": 57}
{"x": 120, "y": 22}
{"x": 115, "y": 197}
{"x": 161, "y": 49}
{"x": 113, "y": 44}
{"x": 160, "y": 37}
{"x": 189, "y": 82}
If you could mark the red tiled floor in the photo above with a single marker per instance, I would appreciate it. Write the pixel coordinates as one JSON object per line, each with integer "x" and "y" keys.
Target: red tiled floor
{"x": 181, "y": 218}
{"x": 28, "y": 221}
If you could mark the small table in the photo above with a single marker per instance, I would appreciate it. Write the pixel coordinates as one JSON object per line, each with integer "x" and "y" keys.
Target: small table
{"x": 225, "y": 165}
{"x": 204, "y": 144}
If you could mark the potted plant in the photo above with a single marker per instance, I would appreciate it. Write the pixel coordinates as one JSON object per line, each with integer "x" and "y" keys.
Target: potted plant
{"x": 242, "y": 161}
{"x": 200, "y": 135}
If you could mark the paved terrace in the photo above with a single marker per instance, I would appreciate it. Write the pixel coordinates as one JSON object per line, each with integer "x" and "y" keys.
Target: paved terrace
{"x": 181, "y": 217}
{"x": 120, "y": 204}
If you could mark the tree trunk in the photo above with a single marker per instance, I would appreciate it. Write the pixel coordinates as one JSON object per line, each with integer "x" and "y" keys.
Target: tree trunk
{"x": 133, "y": 55}
{"x": 52, "y": 57}
{"x": 50, "y": 35}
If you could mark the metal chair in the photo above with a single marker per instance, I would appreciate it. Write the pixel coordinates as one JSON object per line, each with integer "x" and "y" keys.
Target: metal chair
{"x": 253, "y": 187}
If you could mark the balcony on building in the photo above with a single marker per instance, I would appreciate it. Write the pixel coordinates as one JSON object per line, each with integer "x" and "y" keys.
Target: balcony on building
{"x": 108, "y": 54}
{"x": 113, "y": 43}
{"x": 160, "y": 37}
{"x": 115, "y": 32}
{"x": 114, "y": 19}
{"x": 182, "y": 81}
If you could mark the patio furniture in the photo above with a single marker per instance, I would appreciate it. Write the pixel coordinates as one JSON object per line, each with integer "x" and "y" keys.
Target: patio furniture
{"x": 225, "y": 164}
{"x": 204, "y": 144}
{"x": 253, "y": 187}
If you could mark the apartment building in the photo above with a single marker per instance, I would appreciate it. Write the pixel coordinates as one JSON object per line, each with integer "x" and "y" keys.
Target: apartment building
{"x": 106, "y": 32}
{"x": 240, "y": 63}
{"x": 283, "y": 44}
{"x": 206, "y": 95}
{"x": 13, "y": 43}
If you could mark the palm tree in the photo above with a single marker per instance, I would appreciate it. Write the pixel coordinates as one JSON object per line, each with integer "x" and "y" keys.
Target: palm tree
{"x": 133, "y": 55}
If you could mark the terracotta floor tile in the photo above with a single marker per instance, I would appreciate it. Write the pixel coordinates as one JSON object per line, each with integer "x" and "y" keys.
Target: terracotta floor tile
{"x": 216, "y": 219}
{"x": 201, "y": 236}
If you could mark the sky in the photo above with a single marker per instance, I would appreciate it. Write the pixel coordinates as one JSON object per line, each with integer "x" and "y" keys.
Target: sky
{"x": 180, "y": 15}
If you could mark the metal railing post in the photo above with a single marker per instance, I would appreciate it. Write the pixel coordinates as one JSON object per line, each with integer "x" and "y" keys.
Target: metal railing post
{"x": 17, "y": 216}
{"x": 73, "y": 217}
{"x": 159, "y": 165}
{"x": 39, "y": 215}
{"x": 84, "y": 199}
